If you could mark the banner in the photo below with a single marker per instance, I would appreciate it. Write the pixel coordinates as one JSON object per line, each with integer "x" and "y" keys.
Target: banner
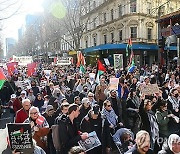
{"x": 31, "y": 69}
{"x": 20, "y": 137}
{"x": 149, "y": 89}
{"x": 23, "y": 84}
{"x": 118, "y": 61}
{"x": 91, "y": 142}
{"x": 12, "y": 67}
{"x": 113, "y": 84}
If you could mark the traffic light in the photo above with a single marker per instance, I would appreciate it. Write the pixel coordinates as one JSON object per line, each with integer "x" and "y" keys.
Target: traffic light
{"x": 161, "y": 42}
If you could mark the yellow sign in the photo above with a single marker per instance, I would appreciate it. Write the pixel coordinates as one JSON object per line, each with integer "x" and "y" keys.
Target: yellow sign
{"x": 72, "y": 52}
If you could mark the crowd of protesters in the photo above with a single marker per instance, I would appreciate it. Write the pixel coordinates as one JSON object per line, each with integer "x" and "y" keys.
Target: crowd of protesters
{"x": 124, "y": 119}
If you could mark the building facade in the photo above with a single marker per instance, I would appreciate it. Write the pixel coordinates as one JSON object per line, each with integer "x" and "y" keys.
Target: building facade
{"x": 112, "y": 22}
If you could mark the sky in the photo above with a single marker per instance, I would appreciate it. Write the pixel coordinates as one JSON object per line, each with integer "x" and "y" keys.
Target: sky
{"x": 11, "y": 25}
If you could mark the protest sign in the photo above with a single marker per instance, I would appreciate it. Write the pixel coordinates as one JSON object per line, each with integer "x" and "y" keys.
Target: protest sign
{"x": 91, "y": 142}
{"x": 113, "y": 84}
{"x": 47, "y": 73}
{"x": 20, "y": 137}
{"x": 118, "y": 61}
{"x": 149, "y": 89}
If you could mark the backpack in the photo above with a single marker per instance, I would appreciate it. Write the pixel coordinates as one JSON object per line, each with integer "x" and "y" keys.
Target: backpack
{"x": 57, "y": 141}
{"x": 55, "y": 137}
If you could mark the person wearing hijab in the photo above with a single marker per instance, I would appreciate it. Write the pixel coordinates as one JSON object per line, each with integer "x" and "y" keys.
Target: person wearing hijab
{"x": 39, "y": 102}
{"x": 172, "y": 146}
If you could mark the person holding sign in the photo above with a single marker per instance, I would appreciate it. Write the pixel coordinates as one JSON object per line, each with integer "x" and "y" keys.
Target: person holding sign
{"x": 39, "y": 126}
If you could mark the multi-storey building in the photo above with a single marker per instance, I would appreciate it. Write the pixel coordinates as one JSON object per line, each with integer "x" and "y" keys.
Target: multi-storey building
{"x": 113, "y": 22}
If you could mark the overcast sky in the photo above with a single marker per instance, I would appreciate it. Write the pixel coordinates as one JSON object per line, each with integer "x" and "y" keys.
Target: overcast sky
{"x": 10, "y": 26}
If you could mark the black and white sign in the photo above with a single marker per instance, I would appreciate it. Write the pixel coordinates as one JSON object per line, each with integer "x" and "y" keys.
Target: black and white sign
{"x": 20, "y": 137}
{"x": 91, "y": 142}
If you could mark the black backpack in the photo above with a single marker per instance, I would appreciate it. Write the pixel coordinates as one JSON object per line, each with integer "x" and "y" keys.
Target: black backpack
{"x": 57, "y": 141}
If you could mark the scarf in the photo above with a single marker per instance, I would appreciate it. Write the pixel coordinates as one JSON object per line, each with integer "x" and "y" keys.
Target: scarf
{"x": 174, "y": 101}
{"x": 153, "y": 125}
{"x": 136, "y": 101}
{"x": 110, "y": 116}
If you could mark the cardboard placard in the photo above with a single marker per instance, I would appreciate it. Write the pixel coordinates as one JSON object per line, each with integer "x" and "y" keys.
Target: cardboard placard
{"x": 113, "y": 84}
{"x": 20, "y": 137}
{"x": 149, "y": 89}
{"x": 91, "y": 142}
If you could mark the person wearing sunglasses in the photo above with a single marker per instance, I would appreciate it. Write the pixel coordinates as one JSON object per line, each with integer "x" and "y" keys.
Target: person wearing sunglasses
{"x": 39, "y": 127}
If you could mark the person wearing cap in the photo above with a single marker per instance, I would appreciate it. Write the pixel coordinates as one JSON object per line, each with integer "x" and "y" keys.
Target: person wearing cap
{"x": 100, "y": 95}
{"x": 23, "y": 113}
{"x": 49, "y": 114}
{"x": 142, "y": 144}
{"x": 94, "y": 122}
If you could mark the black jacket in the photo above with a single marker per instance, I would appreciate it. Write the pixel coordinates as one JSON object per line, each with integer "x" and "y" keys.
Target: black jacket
{"x": 101, "y": 127}
{"x": 69, "y": 136}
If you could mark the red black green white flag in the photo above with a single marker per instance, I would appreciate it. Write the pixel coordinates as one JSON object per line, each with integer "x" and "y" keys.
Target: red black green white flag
{"x": 2, "y": 78}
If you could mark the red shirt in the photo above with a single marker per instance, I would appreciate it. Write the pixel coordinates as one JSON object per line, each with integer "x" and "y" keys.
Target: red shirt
{"x": 21, "y": 116}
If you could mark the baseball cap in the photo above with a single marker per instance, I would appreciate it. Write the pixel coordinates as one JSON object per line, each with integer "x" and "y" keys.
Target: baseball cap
{"x": 13, "y": 96}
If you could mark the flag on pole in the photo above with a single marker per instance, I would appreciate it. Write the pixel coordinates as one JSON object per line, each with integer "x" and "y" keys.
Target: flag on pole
{"x": 128, "y": 47}
{"x": 2, "y": 78}
{"x": 100, "y": 70}
{"x": 82, "y": 69}
{"x": 131, "y": 65}
{"x": 80, "y": 59}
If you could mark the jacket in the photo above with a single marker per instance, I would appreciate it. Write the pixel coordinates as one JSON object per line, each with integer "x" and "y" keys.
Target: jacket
{"x": 21, "y": 115}
{"x": 68, "y": 135}
{"x": 101, "y": 127}
{"x": 17, "y": 104}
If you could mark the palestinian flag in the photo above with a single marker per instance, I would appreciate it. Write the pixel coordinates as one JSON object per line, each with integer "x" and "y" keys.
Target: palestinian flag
{"x": 128, "y": 47}
{"x": 18, "y": 132}
{"x": 131, "y": 66}
{"x": 81, "y": 69}
{"x": 100, "y": 70}
{"x": 2, "y": 78}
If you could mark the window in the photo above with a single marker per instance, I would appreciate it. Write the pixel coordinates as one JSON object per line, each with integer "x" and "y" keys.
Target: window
{"x": 89, "y": 3}
{"x": 162, "y": 10}
{"x": 112, "y": 37}
{"x": 120, "y": 10}
{"x": 132, "y": 6}
{"x": 149, "y": 33}
{"x": 95, "y": 40}
{"x": 112, "y": 14}
{"x": 105, "y": 19}
{"x": 133, "y": 32}
{"x": 120, "y": 35}
{"x": 105, "y": 39}
{"x": 94, "y": 22}
{"x": 148, "y": 7}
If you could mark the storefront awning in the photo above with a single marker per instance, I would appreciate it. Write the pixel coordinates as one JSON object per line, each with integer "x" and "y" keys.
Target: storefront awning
{"x": 121, "y": 46}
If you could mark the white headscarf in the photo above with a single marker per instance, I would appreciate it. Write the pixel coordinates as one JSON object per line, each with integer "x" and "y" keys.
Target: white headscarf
{"x": 173, "y": 137}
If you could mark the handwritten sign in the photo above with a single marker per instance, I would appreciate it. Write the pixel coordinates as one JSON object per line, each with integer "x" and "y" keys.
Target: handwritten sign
{"x": 20, "y": 137}
{"x": 113, "y": 84}
{"x": 149, "y": 89}
{"x": 91, "y": 142}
